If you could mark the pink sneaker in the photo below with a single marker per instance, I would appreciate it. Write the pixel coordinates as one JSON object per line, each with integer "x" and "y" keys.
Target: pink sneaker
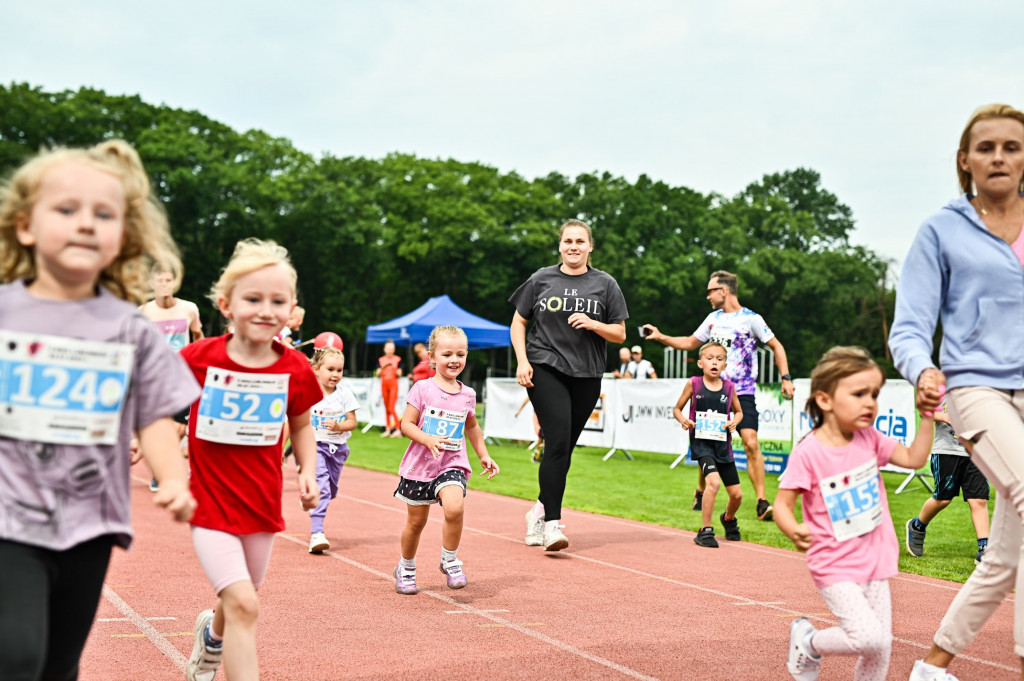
{"x": 405, "y": 582}
{"x": 453, "y": 573}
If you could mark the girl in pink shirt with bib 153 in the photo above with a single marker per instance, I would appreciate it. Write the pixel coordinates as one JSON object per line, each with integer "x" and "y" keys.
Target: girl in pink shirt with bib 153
{"x": 440, "y": 416}
{"x": 847, "y": 530}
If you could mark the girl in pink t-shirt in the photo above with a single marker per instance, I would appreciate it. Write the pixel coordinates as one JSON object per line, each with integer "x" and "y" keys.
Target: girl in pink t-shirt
{"x": 440, "y": 415}
{"x": 847, "y": 531}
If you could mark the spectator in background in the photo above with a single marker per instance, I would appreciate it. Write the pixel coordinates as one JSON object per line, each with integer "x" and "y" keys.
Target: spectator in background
{"x": 624, "y": 360}
{"x": 639, "y": 367}
{"x": 422, "y": 369}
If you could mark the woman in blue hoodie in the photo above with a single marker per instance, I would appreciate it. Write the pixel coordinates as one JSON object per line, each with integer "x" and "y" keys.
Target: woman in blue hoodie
{"x": 966, "y": 267}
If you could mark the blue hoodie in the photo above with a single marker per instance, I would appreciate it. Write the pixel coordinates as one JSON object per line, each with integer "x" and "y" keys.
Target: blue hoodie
{"x": 956, "y": 268}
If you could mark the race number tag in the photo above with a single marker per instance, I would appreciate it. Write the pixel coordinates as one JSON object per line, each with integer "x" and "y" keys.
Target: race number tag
{"x": 239, "y": 408}
{"x": 318, "y": 416}
{"x": 62, "y": 390}
{"x": 445, "y": 423}
{"x": 711, "y": 426}
{"x": 853, "y": 500}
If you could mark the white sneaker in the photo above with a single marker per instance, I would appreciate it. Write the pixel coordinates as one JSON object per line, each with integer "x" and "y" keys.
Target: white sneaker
{"x": 318, "y": 543}
{"x": 803, "y": 665}
{"x": 555, "y": 539}
{"x": 534, "y": 529}
{"x": 918, "y": 673}
{"x": 203, "y": 664}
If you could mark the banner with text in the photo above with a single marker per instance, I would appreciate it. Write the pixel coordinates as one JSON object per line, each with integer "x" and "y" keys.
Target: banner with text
{"x": 504, "y": 398}
{"x": 643, "y": 416}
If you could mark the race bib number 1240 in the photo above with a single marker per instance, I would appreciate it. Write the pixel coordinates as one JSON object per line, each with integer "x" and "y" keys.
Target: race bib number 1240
{"x": 62, "y": 390}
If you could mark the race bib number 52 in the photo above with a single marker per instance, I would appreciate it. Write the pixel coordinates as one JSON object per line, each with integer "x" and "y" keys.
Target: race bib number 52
{"x": 240, "y": 408}
{"x": 62, "y": 390}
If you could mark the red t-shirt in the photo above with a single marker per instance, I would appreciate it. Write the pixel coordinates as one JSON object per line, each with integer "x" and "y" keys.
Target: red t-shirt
{"x": 422, "y": 371}
{"x": 238, "y": 487}
{"x": 389, "y": 367}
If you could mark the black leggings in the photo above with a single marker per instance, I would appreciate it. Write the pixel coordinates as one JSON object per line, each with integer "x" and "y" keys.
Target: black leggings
{"x": 562, "y": 404}
{"x": 48, "y": 600}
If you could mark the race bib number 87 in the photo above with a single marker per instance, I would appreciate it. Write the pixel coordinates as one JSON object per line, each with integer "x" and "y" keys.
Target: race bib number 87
{"x": 240, "y": 408}
{"x": 62, "y": 390}
{"x": 445, "y": 423}
{"x": 854, "y": 501}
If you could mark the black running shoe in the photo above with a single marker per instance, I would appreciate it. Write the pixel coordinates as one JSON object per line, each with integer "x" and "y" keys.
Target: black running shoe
{"x": 698, "y": 500}
{"x": 732, "y": 528}
{"x": 706, "y": 537}
{"x": 764, "y": 509}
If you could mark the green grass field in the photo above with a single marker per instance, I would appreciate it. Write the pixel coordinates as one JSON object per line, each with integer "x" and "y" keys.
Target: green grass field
{"x": 646, "y": 489}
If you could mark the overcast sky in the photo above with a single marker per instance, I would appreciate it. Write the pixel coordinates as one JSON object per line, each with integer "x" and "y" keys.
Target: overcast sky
{"x": 709, "y": 95}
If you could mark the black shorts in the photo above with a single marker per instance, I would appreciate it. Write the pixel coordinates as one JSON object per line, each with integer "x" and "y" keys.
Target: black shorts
{"x": 954, "y": 474}
{"x": 726, "y": 471}
{"x": 420, "y": 493}
{"x": 748, "y": 403}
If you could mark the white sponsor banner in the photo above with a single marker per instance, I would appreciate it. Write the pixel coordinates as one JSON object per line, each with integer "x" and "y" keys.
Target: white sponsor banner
{"x": 643, "y": 416}
{"x": 376, "y": 401}
{"x": 896, "y": 418}
{"x": 361, "y": 388}
{"x": 600, "y": 428}
{"x": 504, "y": 397}
{"x": 774, "y": 414}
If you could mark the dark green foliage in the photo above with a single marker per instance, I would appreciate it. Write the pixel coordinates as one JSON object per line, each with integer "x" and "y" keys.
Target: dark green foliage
{"x": 374, "y": 238}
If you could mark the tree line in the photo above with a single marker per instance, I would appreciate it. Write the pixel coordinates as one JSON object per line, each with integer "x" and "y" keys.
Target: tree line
{"x": 374, "y": 238}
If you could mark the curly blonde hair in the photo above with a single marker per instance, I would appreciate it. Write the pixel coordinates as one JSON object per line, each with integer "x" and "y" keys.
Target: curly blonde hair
{"x": 252, "y": 254}
{"x": 147, "y": 234}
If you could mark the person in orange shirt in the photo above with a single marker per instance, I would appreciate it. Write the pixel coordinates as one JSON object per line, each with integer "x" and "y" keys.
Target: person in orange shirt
{"x": 389, "y": 371}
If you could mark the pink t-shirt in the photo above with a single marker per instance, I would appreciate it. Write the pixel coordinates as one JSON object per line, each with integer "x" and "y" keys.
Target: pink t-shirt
{"x": 441, "y": 413}
{"x": 859, "y": 559}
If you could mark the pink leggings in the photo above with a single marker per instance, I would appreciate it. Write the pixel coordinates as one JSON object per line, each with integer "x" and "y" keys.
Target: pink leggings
{"x": 228, "y": 558}
{"x": 865, "y": 626}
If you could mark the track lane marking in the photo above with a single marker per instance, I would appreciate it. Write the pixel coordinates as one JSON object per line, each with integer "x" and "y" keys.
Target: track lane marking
{"x": 148, "y": 630}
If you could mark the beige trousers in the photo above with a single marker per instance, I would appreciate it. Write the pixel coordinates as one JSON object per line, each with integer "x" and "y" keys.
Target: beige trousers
{"x": 994, "y": 421}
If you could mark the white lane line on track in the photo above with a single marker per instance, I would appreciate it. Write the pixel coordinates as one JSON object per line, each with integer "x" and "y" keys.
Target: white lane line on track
{"x": 740, "y": 600}
{"x": 154, "y": 636}
{"x": 486, "y": 614}
{"x": 125, "y": 619}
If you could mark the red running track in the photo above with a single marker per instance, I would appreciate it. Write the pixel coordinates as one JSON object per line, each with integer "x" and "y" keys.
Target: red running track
{"x": 627, "y": 600}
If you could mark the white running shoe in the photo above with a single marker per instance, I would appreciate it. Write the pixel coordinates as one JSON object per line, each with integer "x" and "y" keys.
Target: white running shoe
{"x": 555, "y": 539}
{"x": 318, "y": 543}
{"x": 919, "y": 674}
{"x": 534, "y": 529}
{"x": 203, "y": 664}
{"x": 803, "y": 665}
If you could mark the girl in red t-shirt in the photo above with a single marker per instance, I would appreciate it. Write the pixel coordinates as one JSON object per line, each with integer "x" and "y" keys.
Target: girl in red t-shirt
{"x": 390, "y": 370}
{"x": 252, "y": 385}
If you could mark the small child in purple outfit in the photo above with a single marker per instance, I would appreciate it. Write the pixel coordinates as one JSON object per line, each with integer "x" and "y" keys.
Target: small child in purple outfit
{"x": 333, "y": 419}
{"x": 440, "y": 415}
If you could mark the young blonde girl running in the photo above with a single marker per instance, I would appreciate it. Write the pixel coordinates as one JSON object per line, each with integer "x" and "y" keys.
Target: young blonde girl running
{"x": 251, "y": 385}
{"x": 440, "y": 415}
{"x": 334, "y": 419}
{"x": 83, "y": 370}
{"x": 847, "y": 531}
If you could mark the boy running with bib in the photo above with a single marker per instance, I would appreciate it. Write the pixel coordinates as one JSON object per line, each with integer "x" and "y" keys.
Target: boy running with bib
{"x": 847, "y": 530}
{"x": 712, "y": 399}
{"x": 440, "y": 416}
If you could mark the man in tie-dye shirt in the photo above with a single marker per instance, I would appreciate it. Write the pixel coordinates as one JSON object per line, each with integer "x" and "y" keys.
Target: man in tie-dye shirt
{"x": 739, "y": 330}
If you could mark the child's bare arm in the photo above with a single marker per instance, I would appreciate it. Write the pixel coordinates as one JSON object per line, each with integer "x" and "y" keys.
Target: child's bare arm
{"x": 917, "y": 454}
{"x": 411, "y": 429}
{"x": 475, "y": 436}
{"x": 159, "y": 444}
{"x": 684, "y": 397}
{"x": 785, "y": 518}
{"x": 304, "y": 445}
{"x": 737, "y": 414}
{"x": 344, "y": 425}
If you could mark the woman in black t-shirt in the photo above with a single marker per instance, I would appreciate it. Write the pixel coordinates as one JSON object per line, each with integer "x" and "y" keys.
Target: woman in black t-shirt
{"x": 575, "y": 310}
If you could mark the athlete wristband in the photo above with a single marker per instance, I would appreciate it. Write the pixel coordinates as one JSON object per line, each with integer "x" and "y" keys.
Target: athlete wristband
{"x": 787, "y": 377}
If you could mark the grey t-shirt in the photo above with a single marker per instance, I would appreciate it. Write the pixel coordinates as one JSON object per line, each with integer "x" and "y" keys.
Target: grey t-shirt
{"x": 56, "y": 495}
{"x": 550, "y": 297}
{"x": 946, "y": 442}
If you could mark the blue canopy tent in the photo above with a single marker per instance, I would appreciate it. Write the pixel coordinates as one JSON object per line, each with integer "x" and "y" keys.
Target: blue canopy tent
{"x": 415, "y": 326}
